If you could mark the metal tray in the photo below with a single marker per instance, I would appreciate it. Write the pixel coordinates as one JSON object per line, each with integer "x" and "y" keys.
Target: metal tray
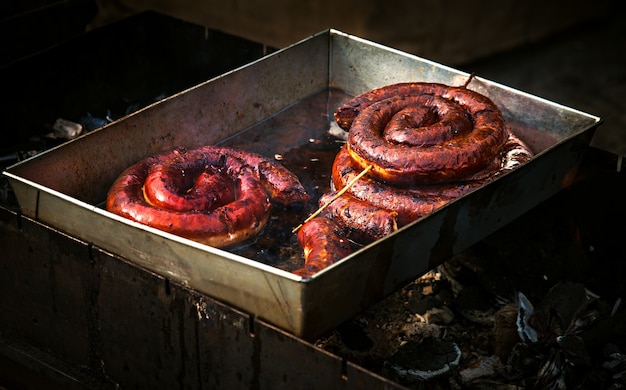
{"x": 252, "y": 107}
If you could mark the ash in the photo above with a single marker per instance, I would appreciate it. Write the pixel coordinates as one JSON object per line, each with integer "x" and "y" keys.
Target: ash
{"x": 538, "y": 304}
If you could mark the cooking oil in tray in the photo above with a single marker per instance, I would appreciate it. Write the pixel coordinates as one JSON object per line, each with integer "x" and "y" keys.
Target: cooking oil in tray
{"x": 304, "y": 139}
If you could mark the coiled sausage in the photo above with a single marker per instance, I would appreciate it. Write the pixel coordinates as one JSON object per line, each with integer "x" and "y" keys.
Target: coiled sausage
{"x": 427, "y": 144}
{"x": 412, "y": 203}
{"x": 412, "y": 148}
{"x": 214, "y": 195}
{"x": 455, "y": 147}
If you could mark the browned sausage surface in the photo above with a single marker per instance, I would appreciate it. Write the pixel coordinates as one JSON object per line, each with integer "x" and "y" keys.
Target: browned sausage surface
{"x": 411, "y": 203}
{"x": 346, "y": 113}
{"x": 217, "y": 196}
{"x": 323, "y": 244}
{"x": 189, "y": 187}
{"x": 360, "y": 220}
{"x": 427, "y": 144}
{"x": 468, "y": 134}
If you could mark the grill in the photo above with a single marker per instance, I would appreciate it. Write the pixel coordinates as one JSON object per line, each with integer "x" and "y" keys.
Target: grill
{"x": 249, "y": 307}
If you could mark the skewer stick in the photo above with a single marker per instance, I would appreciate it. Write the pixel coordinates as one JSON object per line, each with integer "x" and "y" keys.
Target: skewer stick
{"x": 469, "y": 80}
{"x": 337, "y": 195}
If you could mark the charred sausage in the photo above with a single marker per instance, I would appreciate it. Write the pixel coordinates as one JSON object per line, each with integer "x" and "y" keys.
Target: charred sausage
{"x": 361, "y": 221}
{"x": 323, "y": 244}
{"x": 174, "y": 192}
{"x": 414, "y": 202}
{"x": 346, "y": 113}
{"x": 429, "y": 120}
{"x": 423, "y": 145}
{"x": 461, "y": 153}
{"x": 407, "y": 206}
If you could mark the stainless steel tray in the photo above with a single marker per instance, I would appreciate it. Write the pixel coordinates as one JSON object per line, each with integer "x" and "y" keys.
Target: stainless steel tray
{"x": 252, "y": 108}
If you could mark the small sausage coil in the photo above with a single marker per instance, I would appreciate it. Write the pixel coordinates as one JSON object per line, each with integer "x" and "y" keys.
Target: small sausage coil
{"x": 426, "y": 144}
{"x": 215, "y": 195}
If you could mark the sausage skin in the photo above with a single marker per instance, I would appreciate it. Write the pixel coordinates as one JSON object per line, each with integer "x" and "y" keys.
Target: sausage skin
{"x": 323, "y": 244}
{"x": 361, "y": 221}
{"x": 425, "y": 144}
{"x": 429, "y": 120}
{"x": 346, "y": 113}
{"x": 414, "y": 202}
{"x": 173, "y": 187}
{"x": 461, "y": 152}
{"x": 174, "y": 192}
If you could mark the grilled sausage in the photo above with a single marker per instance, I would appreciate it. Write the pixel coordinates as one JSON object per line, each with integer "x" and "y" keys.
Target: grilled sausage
{"x": 412, "y": 203}
{"x": 429, "y": 120}
{"x": 323, "y": 244}
{"x": 407, "y": 206}
{"x": 346, "y": 113}
{"x": 424, "y": 145}
{"x": 168, "y": 191}
{"x": 368, "y": 197}
{"x": 361, "y": 221}
{"x": 282, "y": 185}
{"x": 189, "y": 187}
{"x": 463, "y": 154}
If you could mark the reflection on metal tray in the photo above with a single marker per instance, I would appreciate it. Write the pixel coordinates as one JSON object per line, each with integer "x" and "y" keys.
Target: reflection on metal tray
{"x": 283, "y": 104}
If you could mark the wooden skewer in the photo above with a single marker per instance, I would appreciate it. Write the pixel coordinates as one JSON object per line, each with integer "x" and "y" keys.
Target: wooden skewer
{"x": 337, "y": 195}
{"x": 469, "y": 80}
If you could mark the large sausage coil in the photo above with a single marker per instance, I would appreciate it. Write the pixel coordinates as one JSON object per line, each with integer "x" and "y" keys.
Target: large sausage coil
{"x": 217, "y": 196}
{"x": 425, "y": 144}
{"x": 410, "y": 203}
{"x": 459, "y": 133}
